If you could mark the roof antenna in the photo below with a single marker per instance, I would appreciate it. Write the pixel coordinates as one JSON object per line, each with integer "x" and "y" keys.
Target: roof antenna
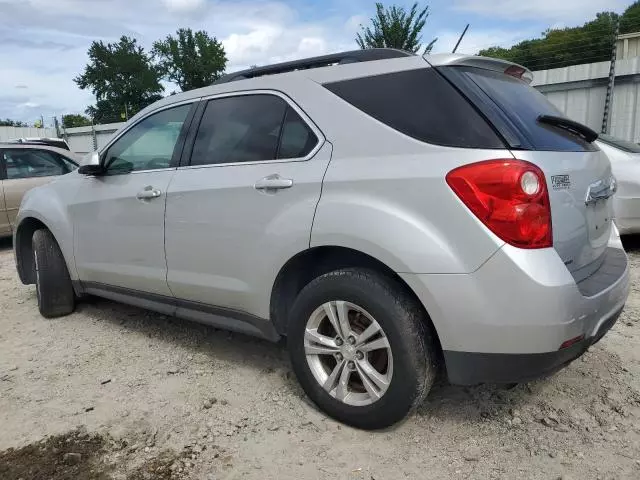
{"x": 460, "y": 39}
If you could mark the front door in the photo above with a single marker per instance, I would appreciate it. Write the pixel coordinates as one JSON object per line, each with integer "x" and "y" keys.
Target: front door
{"x": 245, "y": 203}
{"x": 119, "y": 217}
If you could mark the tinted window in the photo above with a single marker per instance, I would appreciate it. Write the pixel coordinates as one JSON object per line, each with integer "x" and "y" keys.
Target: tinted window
{"x": 421, "y": 104}
{"x": 26, "y": 163}
{"x": 619, "y": 143}
{"x": 71, "y": 164}
{"x": 522, "y": 105}
{"x": 297, "y": 139}
{"x": 245, "y": 128}
{"x": 150, "y": 143}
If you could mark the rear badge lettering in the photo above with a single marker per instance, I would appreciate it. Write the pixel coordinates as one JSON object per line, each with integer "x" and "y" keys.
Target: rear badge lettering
{"x": 560, "y": 182}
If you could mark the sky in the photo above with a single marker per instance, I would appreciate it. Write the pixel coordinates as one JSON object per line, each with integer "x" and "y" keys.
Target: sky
{"x": 44, "y": 43}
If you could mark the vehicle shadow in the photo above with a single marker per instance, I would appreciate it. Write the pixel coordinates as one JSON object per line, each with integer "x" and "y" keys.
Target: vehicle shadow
{"x": 6, "y": 244}
{"x": 194, "y": 338}
{"x": 631, "y": 243}
{"x": 445, "y": 401}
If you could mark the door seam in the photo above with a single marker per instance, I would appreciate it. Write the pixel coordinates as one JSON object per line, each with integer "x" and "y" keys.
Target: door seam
{"x": 164, "y": 234}
{"x": 315, "y": 210}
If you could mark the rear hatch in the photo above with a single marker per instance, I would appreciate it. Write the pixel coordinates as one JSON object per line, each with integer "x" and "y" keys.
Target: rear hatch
{"x": 577, "y": 173}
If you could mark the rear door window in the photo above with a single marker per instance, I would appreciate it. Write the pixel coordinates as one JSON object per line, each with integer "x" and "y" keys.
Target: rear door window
{"x": 251, "y": 128}
{"x": 519, "y": 105}
{"x": 421, "y": 104}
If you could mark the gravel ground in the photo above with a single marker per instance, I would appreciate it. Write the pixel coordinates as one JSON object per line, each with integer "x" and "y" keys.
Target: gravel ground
{"x": 171, "y": 399}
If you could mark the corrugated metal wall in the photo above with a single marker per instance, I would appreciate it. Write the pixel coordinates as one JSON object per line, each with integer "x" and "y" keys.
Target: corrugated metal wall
{"x": 81, "y": 139}
{"x": 628, "y": 46}
{"x": 13, "y": 133}
{"x": 579, "y": 91}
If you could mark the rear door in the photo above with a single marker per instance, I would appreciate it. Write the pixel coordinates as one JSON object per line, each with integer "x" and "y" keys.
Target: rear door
{"x": 245, "y": 203}
{"x": 578, "y": 174}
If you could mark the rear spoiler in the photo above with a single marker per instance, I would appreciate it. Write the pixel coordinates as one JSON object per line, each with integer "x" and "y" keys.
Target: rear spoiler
{"x": 495, "y": 64}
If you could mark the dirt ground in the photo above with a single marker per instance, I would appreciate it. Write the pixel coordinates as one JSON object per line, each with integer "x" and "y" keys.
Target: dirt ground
{"x": 136, "y": 395}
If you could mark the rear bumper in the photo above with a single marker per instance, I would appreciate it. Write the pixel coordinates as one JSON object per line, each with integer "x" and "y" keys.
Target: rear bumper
{"x": 468, "y": 368}
{"x": 506, "y": 321}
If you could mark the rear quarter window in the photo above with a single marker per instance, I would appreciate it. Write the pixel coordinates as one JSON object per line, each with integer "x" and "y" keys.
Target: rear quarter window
{"x": 421, "y": 104}
{"x": 514, "y": 107}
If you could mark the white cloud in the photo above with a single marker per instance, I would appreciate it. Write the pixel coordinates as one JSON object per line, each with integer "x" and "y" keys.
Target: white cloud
{"x": 49, "y": 45}
{"x": 184, "y": 5}
{"x": 354, "y": 22}
{"x": 252, "y": 46}
{"x": 568, "y": 10}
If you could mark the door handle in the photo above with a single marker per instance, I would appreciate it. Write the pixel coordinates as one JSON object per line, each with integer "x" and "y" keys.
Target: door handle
{"x": 148, "y": 193}
{"x": 273, "y": 182}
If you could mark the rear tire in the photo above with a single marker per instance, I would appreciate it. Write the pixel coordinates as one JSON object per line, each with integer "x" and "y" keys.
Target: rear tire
{"x": 53, "y": 283}
{"x": 403, "y": 357}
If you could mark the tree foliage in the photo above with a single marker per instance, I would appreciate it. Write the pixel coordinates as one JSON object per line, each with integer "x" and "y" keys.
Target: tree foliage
{"x": 122, "y": 78}
{"x": 591, "y": 42}
{"x": 630, "y": 20}
{"x": 394, "y": 27}
{"x": 12, "y": 123}
{"x": 190, "y": 60}
{"x": 74, "y": 120}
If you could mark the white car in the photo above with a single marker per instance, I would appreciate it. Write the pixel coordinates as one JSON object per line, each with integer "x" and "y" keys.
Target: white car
{"x": 625, "y": 165}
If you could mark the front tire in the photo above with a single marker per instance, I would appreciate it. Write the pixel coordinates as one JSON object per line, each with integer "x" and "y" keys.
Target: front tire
{"x": 361, "y": 347}
{"x": 53, "y": 283}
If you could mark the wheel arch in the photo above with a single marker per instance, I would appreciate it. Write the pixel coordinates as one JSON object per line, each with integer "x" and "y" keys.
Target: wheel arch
{"x": 28, "y": 223}
{"x": 302, "y": 268}
{"x": 23, "y": 247}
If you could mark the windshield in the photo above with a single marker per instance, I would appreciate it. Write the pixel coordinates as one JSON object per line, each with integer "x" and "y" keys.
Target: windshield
{"x": 620, "y": 144}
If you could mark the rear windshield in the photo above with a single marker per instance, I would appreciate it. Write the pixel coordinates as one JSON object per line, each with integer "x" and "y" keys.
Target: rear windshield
{"x": 514, "y": 107}
{"x": 619, "y": 143}
{"x": 422, "y": 104}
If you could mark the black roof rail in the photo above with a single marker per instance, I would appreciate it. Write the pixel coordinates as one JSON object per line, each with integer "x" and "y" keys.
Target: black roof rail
{"x": 354, "y": 56}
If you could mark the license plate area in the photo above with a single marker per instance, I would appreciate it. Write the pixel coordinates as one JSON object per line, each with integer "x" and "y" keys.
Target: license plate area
{"x": 599, "y": 217}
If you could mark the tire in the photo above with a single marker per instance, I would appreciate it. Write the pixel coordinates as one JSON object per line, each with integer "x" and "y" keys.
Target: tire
{"x": 408, "y": 358}
{"x": 53, "y": 284}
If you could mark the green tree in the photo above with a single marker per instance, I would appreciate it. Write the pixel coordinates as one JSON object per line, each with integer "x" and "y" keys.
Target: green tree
{"x": 591, "y": 42}
{"x": 12, "y": 123}
{"x": 630, "y": 20}
{"x": 394, "y": 27}
{"x": 191, "y": 60}
{"x": 122, "y": 78}
{"x": 73, "y": 120}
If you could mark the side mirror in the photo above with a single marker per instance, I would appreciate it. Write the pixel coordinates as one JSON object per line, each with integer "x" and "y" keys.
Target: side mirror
{"x": 92, "y": 158}
{"x": 92, "y": 170}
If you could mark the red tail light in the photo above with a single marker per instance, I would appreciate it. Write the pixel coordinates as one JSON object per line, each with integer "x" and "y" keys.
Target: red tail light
{"x": 510, "y": 197}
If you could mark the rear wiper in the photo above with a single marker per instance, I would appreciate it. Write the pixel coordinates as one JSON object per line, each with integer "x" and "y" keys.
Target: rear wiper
{"x": 569, "y": 125}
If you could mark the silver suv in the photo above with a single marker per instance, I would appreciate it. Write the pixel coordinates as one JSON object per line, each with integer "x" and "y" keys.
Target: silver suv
{"x": 387, "y": 213}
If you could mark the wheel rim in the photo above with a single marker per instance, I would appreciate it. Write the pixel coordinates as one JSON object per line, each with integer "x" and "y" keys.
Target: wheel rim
{"x": 348, "y": 353}
{"x": 37, "y": 268}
